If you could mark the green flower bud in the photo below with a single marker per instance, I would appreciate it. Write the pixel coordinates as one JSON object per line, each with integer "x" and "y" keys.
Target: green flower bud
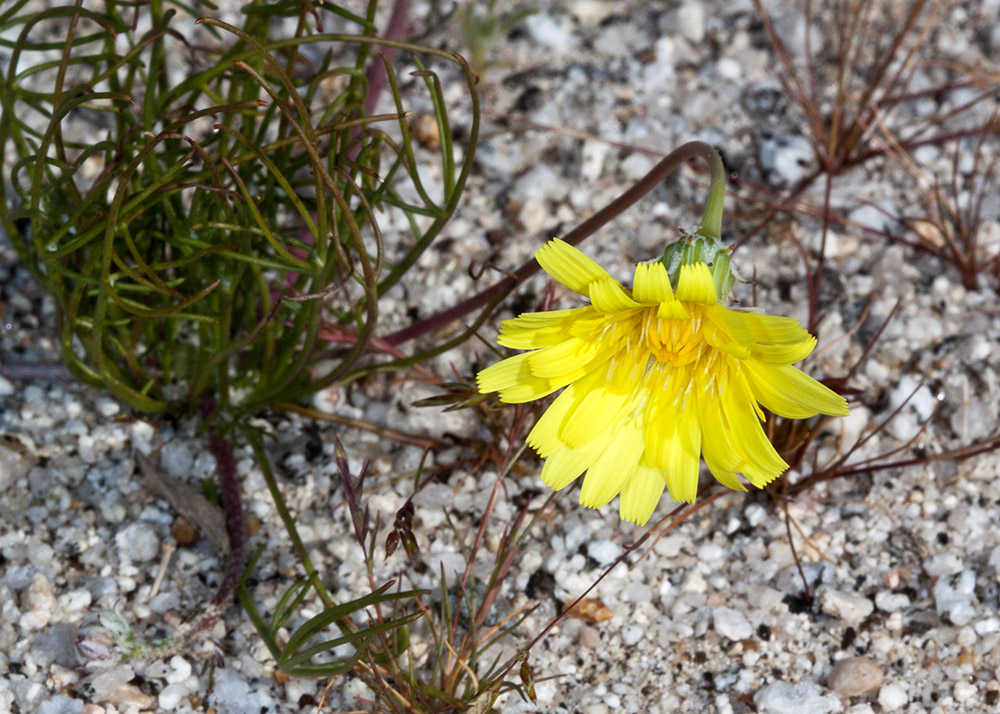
{"x": 697, "y": 248}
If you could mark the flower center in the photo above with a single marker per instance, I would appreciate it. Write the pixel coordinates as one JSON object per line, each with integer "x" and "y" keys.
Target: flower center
{"x": 675, "y": 341}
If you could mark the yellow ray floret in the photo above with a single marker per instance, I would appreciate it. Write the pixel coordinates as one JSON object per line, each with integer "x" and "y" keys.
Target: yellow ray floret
{"x": 655, "y": 378}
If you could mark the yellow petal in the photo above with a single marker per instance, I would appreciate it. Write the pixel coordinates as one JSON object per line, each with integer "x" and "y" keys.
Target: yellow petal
{"x": 604, "y": 480}
{"x": 651, "y": 284}
{"x": 762, "y": 463}
{"x": 599, "y": 410}
{"x": 562, "y": 468}
{"x": 607, "y": 295}
{"x": 774, "y": 329}
{"x": 788, "y": 391}
{"x": 722, "y": 458}
{"x": 640, "y": 494}
{"x": 672, "y": 309}
{"x": 786, "y": 353}
{"x": 544, "y": 436}
{"x": 569, "y": 266}
{"x": 532, "y": 330}
{"x": 661, "y": 422}
{"x": 695, "y": 284}
{"x": 568, "y": 357}
{"x": 513, "y": 379}
{"x": 684, "y": 458}
{"x": 733, "y": 324}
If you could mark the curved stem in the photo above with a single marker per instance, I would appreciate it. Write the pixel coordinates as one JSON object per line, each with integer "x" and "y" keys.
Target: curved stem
{"x": 670, "y": 163}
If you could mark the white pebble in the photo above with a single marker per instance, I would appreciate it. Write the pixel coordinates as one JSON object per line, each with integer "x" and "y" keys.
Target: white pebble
{"x": 944, "y": 564}
{"x": 637, "y": 592}
{"x": 691, "y": 21}
{"x": 181, "y": 670}
{"x": 731, "y": 623}
{"x": 892, "y": 697}
{"x": 964, "y": 691}
{"x": 138, "y": 542}
{"x": 61, "y": 705}
{"x": 852, "y": 609}
{"x": 546, "y": 30}
{"x": 604, "y": 551}
{"x": 887, "y": 601}
{"x": 800, "y": 698}
{"x": 108, "y": 407}
{"x": 985, "y": 627}
{"x": 954, "y": 596}
{"x": 710, "y": 552}
{"x": 176, "y": 459}
{"x": 171, "y": 695}
{"x": 631, "y": 634}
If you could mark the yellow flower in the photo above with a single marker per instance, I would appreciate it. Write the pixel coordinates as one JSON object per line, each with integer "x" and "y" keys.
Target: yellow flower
{"x": 653, "y": 378}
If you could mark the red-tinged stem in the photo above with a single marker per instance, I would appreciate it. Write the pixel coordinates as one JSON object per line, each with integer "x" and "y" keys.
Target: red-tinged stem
{"x": 670, "y": 163}
{"x": 376, "y": 75}
{"x": 232, "y": 504}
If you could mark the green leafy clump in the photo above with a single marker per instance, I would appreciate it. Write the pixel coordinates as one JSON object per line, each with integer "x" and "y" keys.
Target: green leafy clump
{"x": 200, "y": 199}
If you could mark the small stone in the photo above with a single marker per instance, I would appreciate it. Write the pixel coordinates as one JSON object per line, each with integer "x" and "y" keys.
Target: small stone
{"x": 944, "y": 564}
{"x": 61, "y": 705}
{"x": 180, "y": 671}
{"x": 987, "y": 626}
{"x": 176, "y": 459}
{"x": 852, "y": 609}
{"x": 56, "y": 644}
{"x": 534, "y": 216}
{"x": 631, "y": 635}
{"x": 892, "y": 697}
{"x": 691, "y": 21}
{"x": 184, "y": 533}
{"x": 731, "y": 623}
{"x": 171, "y": 695}
{"x": 425, "y": 130}
{"x": 800, "y": 698}
{"x": 138, "y": 542}
{"x": 955, "y": 597}
{"x": 604, "y": 551}
{"x": 964, "y": 691}
{"x": 547, "y": 31}
{"x": 38, "y": 603}
{"x": 887, "y": 601}
{"x": 591, "y": 610}
{"x": 17, "y": 458}
{"x": 589, "y": 637}
{"x": 108, "y": 407}
{"x": 165, "y": 602}
{"x": 111, "y": 685}
{"x": 854, "y": 676}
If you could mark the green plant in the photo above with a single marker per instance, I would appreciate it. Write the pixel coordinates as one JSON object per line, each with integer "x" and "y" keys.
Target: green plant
{"x": 188, "y": 249}
{"x": 222, "y": 224}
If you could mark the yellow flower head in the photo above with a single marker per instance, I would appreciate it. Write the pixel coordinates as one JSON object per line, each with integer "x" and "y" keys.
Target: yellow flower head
{"x": 654, "y": 377}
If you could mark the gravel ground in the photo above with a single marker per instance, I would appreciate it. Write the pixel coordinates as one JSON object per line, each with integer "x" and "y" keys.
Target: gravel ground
{"x": 902, "y": 564}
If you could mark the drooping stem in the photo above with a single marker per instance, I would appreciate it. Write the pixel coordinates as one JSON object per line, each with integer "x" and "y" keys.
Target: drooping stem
{"x": 670, "y": 163}
{"x": 711, "y": 221}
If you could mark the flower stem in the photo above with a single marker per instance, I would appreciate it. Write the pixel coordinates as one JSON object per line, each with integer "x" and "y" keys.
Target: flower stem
{"x": 670, "y": 163}
{"x": 711, "y": 221}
